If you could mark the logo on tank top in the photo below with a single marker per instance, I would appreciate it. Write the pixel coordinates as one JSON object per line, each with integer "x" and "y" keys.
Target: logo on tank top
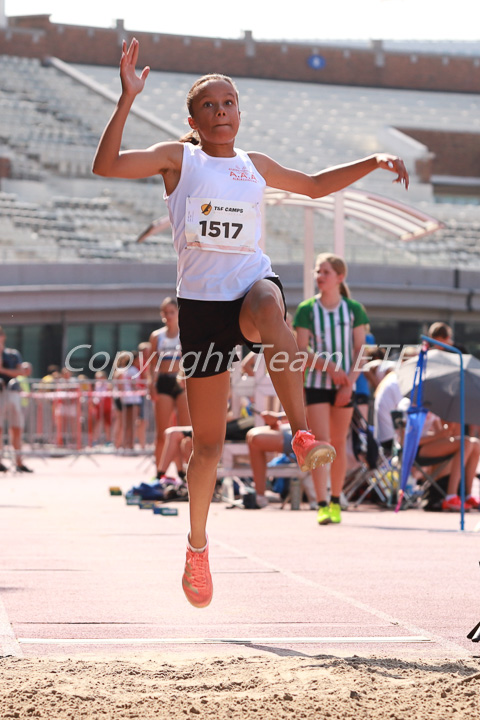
{"x": 243, "y": 174}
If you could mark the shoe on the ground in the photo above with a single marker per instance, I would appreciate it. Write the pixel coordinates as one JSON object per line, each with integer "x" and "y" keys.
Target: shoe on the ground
{"x": 23, "y": 469}
{"x": 261, "y": 501}
{"x": 472, "y": 503}
{"x": 453, "y": 504}
{"x": 335, "y": 511}
{"x": 344, "y": 504}
{"x": 310, "y": 452}
{"x": 3, "y": 468}
{"x": 197, "y": 581}
{"x": 323, "y": 515}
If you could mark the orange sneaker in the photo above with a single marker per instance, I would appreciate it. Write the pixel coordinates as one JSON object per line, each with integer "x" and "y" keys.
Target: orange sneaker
{"x": 472, "y": 503}
{"x": 310, "y": 452}
{"x": 197, "y": 581}
{"x": 453, "y": 504}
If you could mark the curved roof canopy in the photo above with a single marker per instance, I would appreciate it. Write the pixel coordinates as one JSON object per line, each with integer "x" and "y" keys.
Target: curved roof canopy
{"x": 399, "y": 219}
{"x": 395, "y": 218}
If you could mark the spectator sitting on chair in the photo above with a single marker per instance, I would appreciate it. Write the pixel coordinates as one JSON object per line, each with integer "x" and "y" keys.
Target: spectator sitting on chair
{"x": 443, "y": 333}
{"x": 10, "y": 401}
{"x": 376, "y": 368}
{"x": 177, "y": 445}
{"x": 387, "y": 398}
{"x": 177, "y": 448}
{"x": 441, "y": 441}
{"x": 275, "y": 436}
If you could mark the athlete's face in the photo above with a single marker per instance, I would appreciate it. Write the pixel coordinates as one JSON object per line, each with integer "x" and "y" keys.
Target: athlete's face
{"x": 170, "y": 315}
{"x": 326, "y": 277}
{"x": 215, "y": 112}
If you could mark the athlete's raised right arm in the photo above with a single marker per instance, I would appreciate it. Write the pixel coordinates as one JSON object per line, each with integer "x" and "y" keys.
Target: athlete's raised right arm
{"x": 110, "y": 160}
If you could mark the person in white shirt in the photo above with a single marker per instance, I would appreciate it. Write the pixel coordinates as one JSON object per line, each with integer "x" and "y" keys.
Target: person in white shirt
{"x": 387, "y": 397}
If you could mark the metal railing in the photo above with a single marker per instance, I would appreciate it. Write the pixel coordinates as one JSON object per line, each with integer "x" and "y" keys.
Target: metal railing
{"x": 82, "y": 417}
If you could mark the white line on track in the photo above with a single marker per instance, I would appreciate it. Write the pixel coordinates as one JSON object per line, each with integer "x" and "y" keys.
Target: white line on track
{"x": 449, "y": 646}
{"x": 9, "y": 643}
{"x": 224, "y": 641}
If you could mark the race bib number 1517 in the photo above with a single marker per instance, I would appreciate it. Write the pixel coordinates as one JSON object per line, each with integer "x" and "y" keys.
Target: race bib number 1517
{"x": 220, "y": 225}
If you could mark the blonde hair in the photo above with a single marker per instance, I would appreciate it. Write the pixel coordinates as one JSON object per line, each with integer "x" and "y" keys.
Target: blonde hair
{"x": 339, "y": 266}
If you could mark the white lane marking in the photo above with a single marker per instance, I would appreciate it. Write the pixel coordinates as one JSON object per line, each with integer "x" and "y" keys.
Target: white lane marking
{"x": 219, "y": 641}
{"x": 8, "y": 642}
{"x": 330, "y": 592}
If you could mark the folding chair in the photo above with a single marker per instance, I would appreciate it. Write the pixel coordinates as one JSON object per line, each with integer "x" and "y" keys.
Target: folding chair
{"x": 375, "y": 473}
{"x": 429, "y": 486}
{"x": 426, "y": 481}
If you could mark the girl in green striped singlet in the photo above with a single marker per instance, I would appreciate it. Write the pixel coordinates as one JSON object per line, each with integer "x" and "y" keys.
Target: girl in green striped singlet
{"x": 331, "y": 329}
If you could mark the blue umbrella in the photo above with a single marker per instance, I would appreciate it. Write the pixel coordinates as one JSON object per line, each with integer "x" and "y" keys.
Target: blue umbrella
{"x": 416, "y": 415}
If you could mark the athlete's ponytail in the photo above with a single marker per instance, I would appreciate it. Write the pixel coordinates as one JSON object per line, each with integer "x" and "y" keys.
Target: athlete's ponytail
{"x": 191, "y": 137}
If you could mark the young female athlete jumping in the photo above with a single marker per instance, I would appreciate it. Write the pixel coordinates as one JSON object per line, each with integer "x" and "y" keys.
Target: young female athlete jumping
{"x": 227, "y": 291}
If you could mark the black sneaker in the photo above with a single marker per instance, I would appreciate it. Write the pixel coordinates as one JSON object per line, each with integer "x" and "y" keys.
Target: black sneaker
{"x": 24, "y": 468}
{"x": 3, "y": 468}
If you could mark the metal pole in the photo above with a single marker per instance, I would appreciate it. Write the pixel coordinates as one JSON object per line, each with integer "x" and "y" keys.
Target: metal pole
{"x": 308, "y": 254}
{"x": 462, "y": 423}
{"x": 339, "y": 224}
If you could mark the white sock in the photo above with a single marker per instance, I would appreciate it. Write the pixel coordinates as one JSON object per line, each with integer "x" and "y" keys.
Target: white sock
{"x": 197, "y": 550}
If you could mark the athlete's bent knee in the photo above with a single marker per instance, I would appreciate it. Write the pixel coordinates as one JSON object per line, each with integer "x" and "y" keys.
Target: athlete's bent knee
{"x": 207, "y": 452}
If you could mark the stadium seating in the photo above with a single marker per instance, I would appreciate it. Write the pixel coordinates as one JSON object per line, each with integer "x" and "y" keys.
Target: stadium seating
{"x": 50, "y": 125}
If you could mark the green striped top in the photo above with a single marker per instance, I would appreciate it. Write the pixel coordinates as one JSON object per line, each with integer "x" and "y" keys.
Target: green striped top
{"x": 331, "y": 334}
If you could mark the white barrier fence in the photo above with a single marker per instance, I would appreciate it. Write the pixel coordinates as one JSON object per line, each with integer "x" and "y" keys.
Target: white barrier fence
{"x": 79, "y": 418}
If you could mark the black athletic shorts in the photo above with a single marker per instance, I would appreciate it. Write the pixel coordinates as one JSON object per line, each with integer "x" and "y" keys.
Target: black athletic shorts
{"x": 318, "y": 396}
{"x": 237, "y": 429}
{"x": 424, "y": 461}
{"x": 210, "y": 332}
{"x": 167, "y": 384}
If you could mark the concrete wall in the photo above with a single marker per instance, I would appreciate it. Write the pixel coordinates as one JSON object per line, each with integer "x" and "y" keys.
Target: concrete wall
{"x": 454, "y": 153}
{"x": 36, "y": 36}
{"x": 114, "y": 292}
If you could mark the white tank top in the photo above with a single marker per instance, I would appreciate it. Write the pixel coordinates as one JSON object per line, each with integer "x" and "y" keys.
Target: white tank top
{"x": 215, "y": 212}
{"x": 168, "y": 348}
